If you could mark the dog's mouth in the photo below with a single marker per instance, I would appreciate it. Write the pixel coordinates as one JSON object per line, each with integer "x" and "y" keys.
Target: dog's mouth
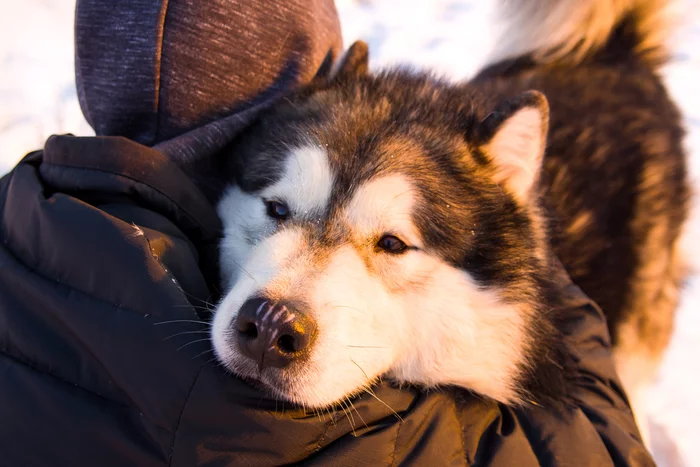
{"x": 266, "y": 383}
{"x": 276, "y": 383}
{"x": 298, "y": 384}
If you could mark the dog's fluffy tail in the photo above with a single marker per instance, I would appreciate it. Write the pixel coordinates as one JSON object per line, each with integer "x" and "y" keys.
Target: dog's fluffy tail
{"x": 570, "y": 31}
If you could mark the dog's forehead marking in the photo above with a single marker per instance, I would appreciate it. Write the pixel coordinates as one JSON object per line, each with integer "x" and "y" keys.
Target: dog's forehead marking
{"x": 307, "y": 180}
{"x": 384, "y": 204}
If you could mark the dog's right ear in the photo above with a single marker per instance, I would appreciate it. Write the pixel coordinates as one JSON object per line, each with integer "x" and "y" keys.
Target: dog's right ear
{"x": 354, "y": 63}
{"x": 514, "y": 138}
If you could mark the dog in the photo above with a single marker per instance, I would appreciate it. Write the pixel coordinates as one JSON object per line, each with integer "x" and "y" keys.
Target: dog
{"x": 398, "y": 225}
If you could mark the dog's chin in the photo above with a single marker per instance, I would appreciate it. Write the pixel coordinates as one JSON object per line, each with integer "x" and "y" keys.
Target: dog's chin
{"x": 289, "y": 385}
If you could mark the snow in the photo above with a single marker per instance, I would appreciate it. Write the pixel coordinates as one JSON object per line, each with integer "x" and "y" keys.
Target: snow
{"x": 453, "y": 37}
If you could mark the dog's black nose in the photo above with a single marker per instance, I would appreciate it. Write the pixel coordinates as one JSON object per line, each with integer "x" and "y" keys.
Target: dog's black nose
{"x": 273, "y": 334}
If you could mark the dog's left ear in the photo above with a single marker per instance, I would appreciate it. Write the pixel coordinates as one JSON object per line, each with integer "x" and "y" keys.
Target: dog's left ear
{"x": 514, "y": 137}
{"x": 354, "y": 63}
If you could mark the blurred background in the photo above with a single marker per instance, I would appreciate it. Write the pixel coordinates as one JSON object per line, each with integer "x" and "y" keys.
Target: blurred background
{"x": 453, "y": 37}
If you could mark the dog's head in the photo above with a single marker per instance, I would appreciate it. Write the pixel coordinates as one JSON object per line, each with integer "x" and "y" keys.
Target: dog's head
{"x": 385, "y": 226}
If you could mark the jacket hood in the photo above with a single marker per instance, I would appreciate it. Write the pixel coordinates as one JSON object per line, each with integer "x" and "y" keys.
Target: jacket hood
{"x": 185, "y": 75}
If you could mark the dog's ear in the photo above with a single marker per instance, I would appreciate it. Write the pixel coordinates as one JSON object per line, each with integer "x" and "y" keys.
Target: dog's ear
{"x": 354, "y": 63}
{"x": 514, "y": 137}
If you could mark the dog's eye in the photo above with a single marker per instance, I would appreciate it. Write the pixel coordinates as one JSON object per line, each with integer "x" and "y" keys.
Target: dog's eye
{"x": 277, "y": 210}
{"x": 392, "y": 244}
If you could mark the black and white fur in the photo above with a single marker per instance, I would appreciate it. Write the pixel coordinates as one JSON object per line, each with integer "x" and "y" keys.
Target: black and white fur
{"x": 482, "y": 182}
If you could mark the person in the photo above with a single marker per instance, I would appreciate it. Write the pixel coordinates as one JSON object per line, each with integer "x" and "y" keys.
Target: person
{"x": 108, "y": 276}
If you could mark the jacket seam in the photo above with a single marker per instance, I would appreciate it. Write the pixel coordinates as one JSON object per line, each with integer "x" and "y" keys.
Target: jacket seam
{"x": 457, "y": 412}
{"x": 160, "y": 263}
{"x": 182, "y": 413}
{"x": 396, "y": 444}
{"x": 324, "y": 434}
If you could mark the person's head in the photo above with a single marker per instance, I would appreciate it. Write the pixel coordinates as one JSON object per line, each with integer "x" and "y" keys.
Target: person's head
{"x": 183, "y": 75}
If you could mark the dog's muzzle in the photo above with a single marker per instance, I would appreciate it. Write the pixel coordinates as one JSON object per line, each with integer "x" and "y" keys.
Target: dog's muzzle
{"x": 273, "y": 334}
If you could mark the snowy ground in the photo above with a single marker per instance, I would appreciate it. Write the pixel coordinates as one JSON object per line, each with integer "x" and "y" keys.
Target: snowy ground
{"x": 37, "y": 99}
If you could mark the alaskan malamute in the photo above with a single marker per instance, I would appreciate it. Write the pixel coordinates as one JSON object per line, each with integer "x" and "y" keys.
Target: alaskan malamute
{"x": 399, "y": 225}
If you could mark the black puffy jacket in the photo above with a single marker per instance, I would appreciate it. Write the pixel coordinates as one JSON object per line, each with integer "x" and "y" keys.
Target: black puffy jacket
{"x": 106, "y": 250}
